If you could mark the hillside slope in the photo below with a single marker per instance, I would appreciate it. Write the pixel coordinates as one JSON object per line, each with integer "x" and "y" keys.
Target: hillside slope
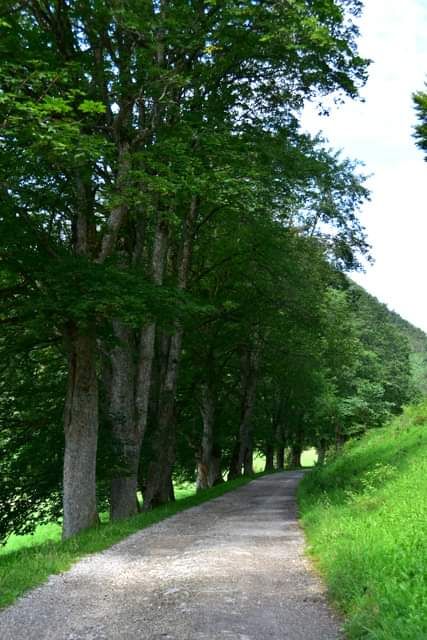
{"x": 418, "y": 344}
{"x": 415, "y": 337}
{"x": 365, "y": 516}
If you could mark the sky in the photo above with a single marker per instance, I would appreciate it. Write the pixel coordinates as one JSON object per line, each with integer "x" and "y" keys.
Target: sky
{"x": 379, "y": 132}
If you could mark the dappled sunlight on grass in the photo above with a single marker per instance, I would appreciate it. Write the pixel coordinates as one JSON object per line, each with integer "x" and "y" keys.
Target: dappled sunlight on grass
{"x": 43, "y": 533}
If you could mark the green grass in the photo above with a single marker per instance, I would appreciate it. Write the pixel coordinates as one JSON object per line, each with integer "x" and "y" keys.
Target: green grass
{"x": 43, "y": 533}
{"x": 27, "y": 561}
{"x": 365, "y": 516}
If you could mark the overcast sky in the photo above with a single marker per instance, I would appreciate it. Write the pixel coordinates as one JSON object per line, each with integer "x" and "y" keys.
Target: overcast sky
{"x": 379, "y": 132}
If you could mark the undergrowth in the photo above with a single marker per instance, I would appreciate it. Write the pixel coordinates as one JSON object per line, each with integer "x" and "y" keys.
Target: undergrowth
{"x": 365, "y": 516}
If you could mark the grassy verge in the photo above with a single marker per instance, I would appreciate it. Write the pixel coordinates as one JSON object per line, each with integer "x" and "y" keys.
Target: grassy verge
{"x": 365, "y": 515}
{"x": 28, "y": 566}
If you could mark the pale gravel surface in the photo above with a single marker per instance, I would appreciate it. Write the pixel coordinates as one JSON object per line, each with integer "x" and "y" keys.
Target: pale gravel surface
{"x": 230, "y": 569}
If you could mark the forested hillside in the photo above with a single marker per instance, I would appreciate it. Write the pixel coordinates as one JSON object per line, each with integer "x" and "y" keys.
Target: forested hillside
{"x": 418, "y": 345}
{"x": 415, "y": 337}
{"x": 173, "y": 250}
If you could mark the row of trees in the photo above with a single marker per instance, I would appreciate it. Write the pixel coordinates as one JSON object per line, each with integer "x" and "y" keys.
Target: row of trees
{"x": 171, "y": 250}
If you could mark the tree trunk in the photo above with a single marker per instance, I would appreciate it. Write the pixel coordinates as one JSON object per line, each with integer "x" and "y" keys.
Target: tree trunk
{"x": 131, "y": 391}
{"x": 204, "y": 465}
{"x": 235, "y": 469}
{"x": 215, "y": 475}
{"x": 148, "y": 333}
{"x": 249, "y": 365}
{"x": 296, "y": 451}
{"x": 81, "y": 432}
{"x": 280, "y": 458}
{"x": 159, "y": 486}
{"x": 269, "y": 459}
{"x": 123, "y": 424}
{"x": 159, "y": 473}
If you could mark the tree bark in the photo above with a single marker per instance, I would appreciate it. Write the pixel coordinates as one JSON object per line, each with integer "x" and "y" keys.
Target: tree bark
{"x": 122, "y": 417}
{"x": 235, "y": 469}
{"x": 148, "y": 333}
{"x": 204, "y": 465}
{"x": 269, "y": 459}
{"x": 159, "y": 473}
{"x": 130, "y": 393}
{"x": 249, "y": 379}
{"x": 81, "y": 432}
{"x": 280, "y": 458}
{"x": 296, "y": 451}
{"x": 214, "y": 474}
{"x": 159, "y": 487}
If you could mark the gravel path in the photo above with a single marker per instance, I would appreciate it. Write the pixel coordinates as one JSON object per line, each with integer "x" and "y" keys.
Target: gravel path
{"x": 230, "y": 569}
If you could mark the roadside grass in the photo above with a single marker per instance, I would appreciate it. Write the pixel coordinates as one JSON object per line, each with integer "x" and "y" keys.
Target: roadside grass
{"x": 365, "y": 516}
{"x": 24, "y": 564}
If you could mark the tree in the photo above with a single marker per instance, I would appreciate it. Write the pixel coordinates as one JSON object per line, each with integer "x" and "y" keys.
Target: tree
{"x": 420, "y": 103}
{"x": 118, "y": 124}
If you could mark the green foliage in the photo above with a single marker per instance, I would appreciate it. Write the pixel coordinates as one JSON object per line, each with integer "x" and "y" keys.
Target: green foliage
{"x": 420, "y": 103}
{"x": 417, "y": 340}
{"x": 117, "y": 122}
{"x": 31, "y": 440}
{"x": 364, "y": 514}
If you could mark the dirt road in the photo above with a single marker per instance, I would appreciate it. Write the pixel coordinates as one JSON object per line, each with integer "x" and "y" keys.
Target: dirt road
{"x": 230, "y": 569}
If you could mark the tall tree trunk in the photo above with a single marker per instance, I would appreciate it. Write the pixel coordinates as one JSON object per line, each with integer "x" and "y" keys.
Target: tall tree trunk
{"x": 214, "y": 474}
{"x": 148, "y": 333}
{"x": 123, "y": 424}
{"x": 131, "y": 391}
{"x": 159, "y": 488}
{"x": 235, "y": 468}
{"x": 204, "y": 465}
{"x": 249, "y": 365}
{"x": 269, "y": 459}
{"x": 295, "y": 458}
{"x": 81, "y": 432}
{"x": 159, "y": 473}
{"x": 280, "y": 438}
{"x": 280, "y": 458}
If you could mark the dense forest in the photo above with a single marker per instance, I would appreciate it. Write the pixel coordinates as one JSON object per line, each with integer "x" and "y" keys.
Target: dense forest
{"x": 175, "y": 251}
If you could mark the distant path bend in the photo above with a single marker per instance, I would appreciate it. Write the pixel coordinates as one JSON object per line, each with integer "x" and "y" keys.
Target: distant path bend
{"x": 230, "y": 569}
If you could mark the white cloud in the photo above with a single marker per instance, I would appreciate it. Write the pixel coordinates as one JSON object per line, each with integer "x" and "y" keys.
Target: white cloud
{"x": 379, "y": 132}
